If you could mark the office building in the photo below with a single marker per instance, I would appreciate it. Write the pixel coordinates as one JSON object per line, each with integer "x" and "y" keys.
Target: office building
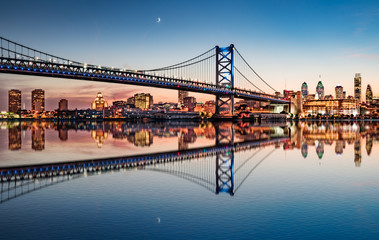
{"x": 63, "y": 105}
{"x": 357, "y": 86}
{"x": 339, "y": 92}
{"x": 320, "y": 90}
{"x": 304, "y": 90}
{"x": 181, "y": 95}
{"x": 14, "y": 101}
{"x": 38, "y": 100}
{"x": 143, "y": 100}
{"x": 369, "y": 94}
{"x": 190, "y": 103}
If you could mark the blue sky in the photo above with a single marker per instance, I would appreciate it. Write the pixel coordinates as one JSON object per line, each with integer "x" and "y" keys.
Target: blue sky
{"x": 287, "y": 42}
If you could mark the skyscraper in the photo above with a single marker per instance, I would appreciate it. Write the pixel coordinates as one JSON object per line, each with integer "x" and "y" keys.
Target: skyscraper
{"x": 339, "y": 92}
{"x": 320, "y": 90}
{"x": 369, "y": 94}
{"x": 14, "y": 97}
{"x": 99, "y": 103}
{"x": 357, "y": 86}
{"x": 304, "y": 90}
{"x": 181, "y": 95}
{"x": 38, "y": 100}
{"x": 63, "y": 105}
{"x": 143, "y": 100}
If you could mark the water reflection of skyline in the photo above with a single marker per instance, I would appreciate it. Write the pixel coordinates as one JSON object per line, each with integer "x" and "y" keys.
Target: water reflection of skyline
{"x": 310, "y": 136}
{"x": 140, "y": 135}
{"x": 341, "y": 134}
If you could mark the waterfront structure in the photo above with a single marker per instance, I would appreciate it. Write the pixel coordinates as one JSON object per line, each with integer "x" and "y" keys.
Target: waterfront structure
{"x": 143, "y": 100}
{"x": 14, "y": 101}
{"x": 304, "y": 90}
{"x": 99, "y": 103}
{"x": 332, "y": 107}
{"x": 210, "y": 106}
{"x": 181, "y": 95}
{"x": 63, "y": 105}
{"x": 38, "y": 100}
{"x": 339, "y": 92}
{"x": 320, "y": 90}
{"x": 357, "y": 86}
{"x": 190, "y": 103}
{"x": 369, "y": 94}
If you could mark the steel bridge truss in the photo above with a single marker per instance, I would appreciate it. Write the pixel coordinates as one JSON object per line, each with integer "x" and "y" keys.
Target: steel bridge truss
{"x": 18, "y": 59}
{"x": 225, "y": 78}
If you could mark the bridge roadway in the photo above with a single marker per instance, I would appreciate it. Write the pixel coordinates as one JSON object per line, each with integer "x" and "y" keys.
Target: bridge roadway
{"x": 15, "y": 173}
{"x": 79, "y": 71}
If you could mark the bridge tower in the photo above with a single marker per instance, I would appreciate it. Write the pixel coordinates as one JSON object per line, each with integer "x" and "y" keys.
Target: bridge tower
{"x": 225, "y": 78}
{"x": 225, "y": 159}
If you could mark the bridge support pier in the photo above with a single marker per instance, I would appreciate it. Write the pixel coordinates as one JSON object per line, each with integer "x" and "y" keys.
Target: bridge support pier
{"x": 225, "y": 79}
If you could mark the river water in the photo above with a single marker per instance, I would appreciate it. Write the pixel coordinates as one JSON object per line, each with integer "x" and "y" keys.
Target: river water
{"x": 313, "y": 180}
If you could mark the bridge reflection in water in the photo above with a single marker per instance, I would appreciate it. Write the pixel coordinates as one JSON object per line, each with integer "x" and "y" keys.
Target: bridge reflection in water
{"x": 217, "y": 168}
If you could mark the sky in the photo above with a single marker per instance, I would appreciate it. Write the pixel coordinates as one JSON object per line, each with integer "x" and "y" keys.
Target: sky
{"x": 286, "y": 42}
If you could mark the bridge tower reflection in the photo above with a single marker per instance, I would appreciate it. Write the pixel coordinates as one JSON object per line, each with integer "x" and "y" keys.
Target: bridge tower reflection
{"x": 225, "y": 159}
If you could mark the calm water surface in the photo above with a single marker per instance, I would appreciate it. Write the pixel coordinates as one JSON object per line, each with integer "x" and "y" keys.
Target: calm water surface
{"x": 289, "y": 181}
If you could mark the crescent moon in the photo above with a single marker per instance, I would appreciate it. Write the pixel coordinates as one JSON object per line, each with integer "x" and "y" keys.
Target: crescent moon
{"x": 158, "y": 20}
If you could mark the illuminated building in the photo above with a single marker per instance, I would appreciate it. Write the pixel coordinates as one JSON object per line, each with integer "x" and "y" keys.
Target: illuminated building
{"x": 210, "y": 106}
{"x": 331, "y": 107}
{"x": 181, "y": 95}
{"x": 320, "y": 90}
{"x": 99, "y": 103}
{"x": 38, "y": 100}
{"x": 14, "y": 137}
{"x": 304, "y": 90}
{"x": 357, "y": 87}
{"x": 123, "y": 104}
{"x": 190, "y": 103}
{"x": 328, "y": 97}
{"x": 143, "y": 100}
{"x": 369, "y": 94}
{"x": 63, "y": 105}
{"x": 344, "y": 94}
{"x": 130, "y": 100}
{"x": 288, "y": 93}
{"x": 14, "y": 98}
{"x": 339, "y": 92}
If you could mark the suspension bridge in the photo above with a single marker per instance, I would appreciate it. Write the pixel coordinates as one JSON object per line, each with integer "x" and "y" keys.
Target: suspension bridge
{"x": 217, "y": 168}
{"x": 220, "y": 71}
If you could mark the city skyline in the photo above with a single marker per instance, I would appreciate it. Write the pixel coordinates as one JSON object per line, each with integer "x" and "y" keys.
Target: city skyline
{"x": 333, "y": 39}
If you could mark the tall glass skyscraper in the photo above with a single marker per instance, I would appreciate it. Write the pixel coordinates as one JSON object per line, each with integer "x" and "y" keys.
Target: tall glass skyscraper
{"x": 357, "y": 86}
{"x": 14, "y": 101}
{"x": 368, "y": 94}
{"x": 320, "y": 90}
{"x": 339, "y": 92}
{"x": 304, "y": 90}
{"x": 38, "y": 100}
